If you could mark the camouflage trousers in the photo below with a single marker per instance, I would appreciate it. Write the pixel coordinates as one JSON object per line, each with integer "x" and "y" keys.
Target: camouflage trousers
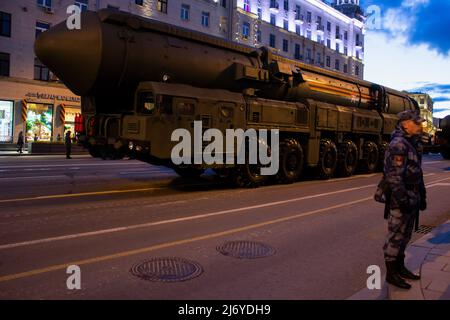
{"x": 400, "y": 229}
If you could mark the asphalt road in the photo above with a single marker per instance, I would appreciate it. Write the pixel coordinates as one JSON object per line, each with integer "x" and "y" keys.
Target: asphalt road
{"x": 109, "y": 216}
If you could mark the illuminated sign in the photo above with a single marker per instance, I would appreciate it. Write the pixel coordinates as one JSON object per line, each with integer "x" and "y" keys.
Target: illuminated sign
{"x": 49, "y": 96}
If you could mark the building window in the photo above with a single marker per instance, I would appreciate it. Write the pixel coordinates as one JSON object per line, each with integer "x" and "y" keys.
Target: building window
{"x": 162, "y": 6}
{"x": 337, "y": 31}
{"x": 45, "y": 3}
{"x": 223, "y": 3}
{"x": 273, "y": 19}
{"x": 345, "y": 35}
{"x": 328, "y": 26}
{"x": 258, "y": 36}
{"x": 308, "y": 55}
{"x": 246, "y": 30}
{"x": 338, "y": 48}
{"x": 6, "y": 121}
{"x": 205, "y": 19}
{"x": 185, "y": 12}
{"x": 285, "y": 45}
{"x": 272, "y": 41}
{"x": 357, "y": 70}
{"x": 286, "y": 5}
{"x": 82, "y": 4}
{"x": 357, "y": 54}
{"x": 297, "y": 29}
{"x": 345, "y": 68}
{"x": 308, "y": 34}
{"x": 329, "y": 43}
{"x": 286, "y": 24}
{"x": 319, "y": 58}
{"x": 328, "y": 62}
{"x": 5, "y": 24}
{"x": 41, "y": 72}
{"x": 139, "y": 2}
{"x": 41, "y": 27}
{"x": 308, "y": 17}
{"x": 346, "y": 50}
{"x": 297, "y": 54}
{"x": 4, "y": 64}
{"x": 319, "y": 39}
{"x": 247, "y": 5}
{"x": 336, "y": 64}
{"x": 259, "y": 13}
{"x": 297, "y": 12}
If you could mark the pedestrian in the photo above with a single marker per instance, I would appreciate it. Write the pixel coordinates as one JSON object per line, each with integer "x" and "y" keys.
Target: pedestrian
{"x": 406, "y": 195}
{"x": 20, "y": 142}
{"x": 68, "y": 143}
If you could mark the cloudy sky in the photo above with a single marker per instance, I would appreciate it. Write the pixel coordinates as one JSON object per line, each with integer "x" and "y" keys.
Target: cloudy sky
{"x": 411, "y": 49}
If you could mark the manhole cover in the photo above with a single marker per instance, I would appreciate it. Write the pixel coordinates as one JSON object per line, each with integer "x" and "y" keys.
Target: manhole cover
{"x": 245, "y": 249}
{"x": 167, "y": 269}
{"x": 424, "y": 229}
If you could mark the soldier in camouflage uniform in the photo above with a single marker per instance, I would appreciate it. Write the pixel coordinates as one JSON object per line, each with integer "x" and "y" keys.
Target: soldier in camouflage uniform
{"x": 407, "y": 195}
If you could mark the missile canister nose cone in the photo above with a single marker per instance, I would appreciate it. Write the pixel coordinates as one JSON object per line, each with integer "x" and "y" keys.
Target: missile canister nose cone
{"x": 74, "y": 56}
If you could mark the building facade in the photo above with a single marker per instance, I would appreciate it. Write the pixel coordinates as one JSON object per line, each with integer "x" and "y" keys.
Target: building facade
{"x": 34, "y": 101}
{"x": 426, "y": 111}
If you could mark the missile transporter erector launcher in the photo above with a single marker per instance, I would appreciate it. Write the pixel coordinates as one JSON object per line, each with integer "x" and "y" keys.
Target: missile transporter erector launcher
{"x": 142, "y": 79}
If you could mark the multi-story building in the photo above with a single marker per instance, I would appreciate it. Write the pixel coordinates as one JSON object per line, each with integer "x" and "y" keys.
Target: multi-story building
{"x": 426, "y": 111}
{"x": 34, "y": 101}
{"x": 310, "y": 31}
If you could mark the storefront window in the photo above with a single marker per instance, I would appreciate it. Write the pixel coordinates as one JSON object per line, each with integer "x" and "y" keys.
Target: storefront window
{"x": 6, "y": 121}
{"x": 39, "y": 122}
{"x": 69, "y": 123}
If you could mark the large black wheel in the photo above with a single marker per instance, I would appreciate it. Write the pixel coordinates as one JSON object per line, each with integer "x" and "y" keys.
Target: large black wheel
{"x": 328, "y": 159}
{"x": 446, "y": 152}
{"x": 94, "y": 151}
{"x": 189, "y": 173}
{"x": 384, "y": 146}
{"x": 248, "y": 176}
{"x": 369, "y": 163}
{"x": 291, "y": 161}
{"x": 348, "y": 158}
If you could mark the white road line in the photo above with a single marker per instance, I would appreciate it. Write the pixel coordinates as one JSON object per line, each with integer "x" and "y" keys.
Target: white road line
{"x": 34, "y": 177}
{"x": 77, "y": 164}
{"x": 432, "y": 162}
{"x": 200, "y": 216}
{"x": 439, "y": 185}
{"x": 429, "y": 174}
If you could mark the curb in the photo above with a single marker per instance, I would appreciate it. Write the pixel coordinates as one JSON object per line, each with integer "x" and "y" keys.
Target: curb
{"x": 421, "y": 256}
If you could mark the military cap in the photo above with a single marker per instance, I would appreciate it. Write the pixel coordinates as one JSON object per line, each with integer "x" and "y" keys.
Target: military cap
{"x": 410, "y": 115}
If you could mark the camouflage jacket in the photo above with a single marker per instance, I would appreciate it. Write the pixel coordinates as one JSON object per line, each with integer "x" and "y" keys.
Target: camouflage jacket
{"x": 403, "y": 171}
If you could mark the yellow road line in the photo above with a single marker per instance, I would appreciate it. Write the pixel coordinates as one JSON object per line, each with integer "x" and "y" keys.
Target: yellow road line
{"x": 174, "y": 243}
{"x": 84, "y": 194}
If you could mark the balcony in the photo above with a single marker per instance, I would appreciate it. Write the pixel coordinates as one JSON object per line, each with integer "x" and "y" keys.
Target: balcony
{"x": 320, "y": 28}
{"x": 339, "y": 37}
{"x": 299, "y": 19}
{"x": 274, "y": 7}
{"x": 358, "y": 45}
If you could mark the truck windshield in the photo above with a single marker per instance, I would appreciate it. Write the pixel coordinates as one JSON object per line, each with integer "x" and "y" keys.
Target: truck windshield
{"x": 146, "y": 102}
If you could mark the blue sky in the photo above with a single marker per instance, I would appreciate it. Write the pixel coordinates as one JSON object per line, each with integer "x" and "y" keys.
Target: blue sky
{"x": 411, "y": 50}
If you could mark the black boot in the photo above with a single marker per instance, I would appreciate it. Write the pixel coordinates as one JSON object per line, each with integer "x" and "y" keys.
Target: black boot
{"x": 403, "y": 272}
{"x": 393, "y": 277}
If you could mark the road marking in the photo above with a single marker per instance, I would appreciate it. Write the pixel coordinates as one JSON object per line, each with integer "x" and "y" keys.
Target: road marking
{"x": 77, "y": 164}
{"x": 429, "y": 174}
{"x": 84, "y": 194}
{"x": 354, "y": 177}
{"x": 34, "y": 177}
{"x": 431, "y": 162}
{"x": 174, "y": 243}
{"x": 440, "y": 185}
{"x": 200, "y": 216}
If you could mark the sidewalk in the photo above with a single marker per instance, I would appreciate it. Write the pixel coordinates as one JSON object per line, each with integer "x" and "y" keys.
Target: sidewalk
{"x": 430, "y": 256}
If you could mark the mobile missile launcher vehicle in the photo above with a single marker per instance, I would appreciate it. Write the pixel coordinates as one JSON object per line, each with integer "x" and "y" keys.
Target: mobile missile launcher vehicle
{"x": 141, "y": 79}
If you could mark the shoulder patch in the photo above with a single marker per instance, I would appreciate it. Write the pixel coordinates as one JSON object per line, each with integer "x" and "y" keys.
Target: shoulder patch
{"x": 398, "y": 160}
